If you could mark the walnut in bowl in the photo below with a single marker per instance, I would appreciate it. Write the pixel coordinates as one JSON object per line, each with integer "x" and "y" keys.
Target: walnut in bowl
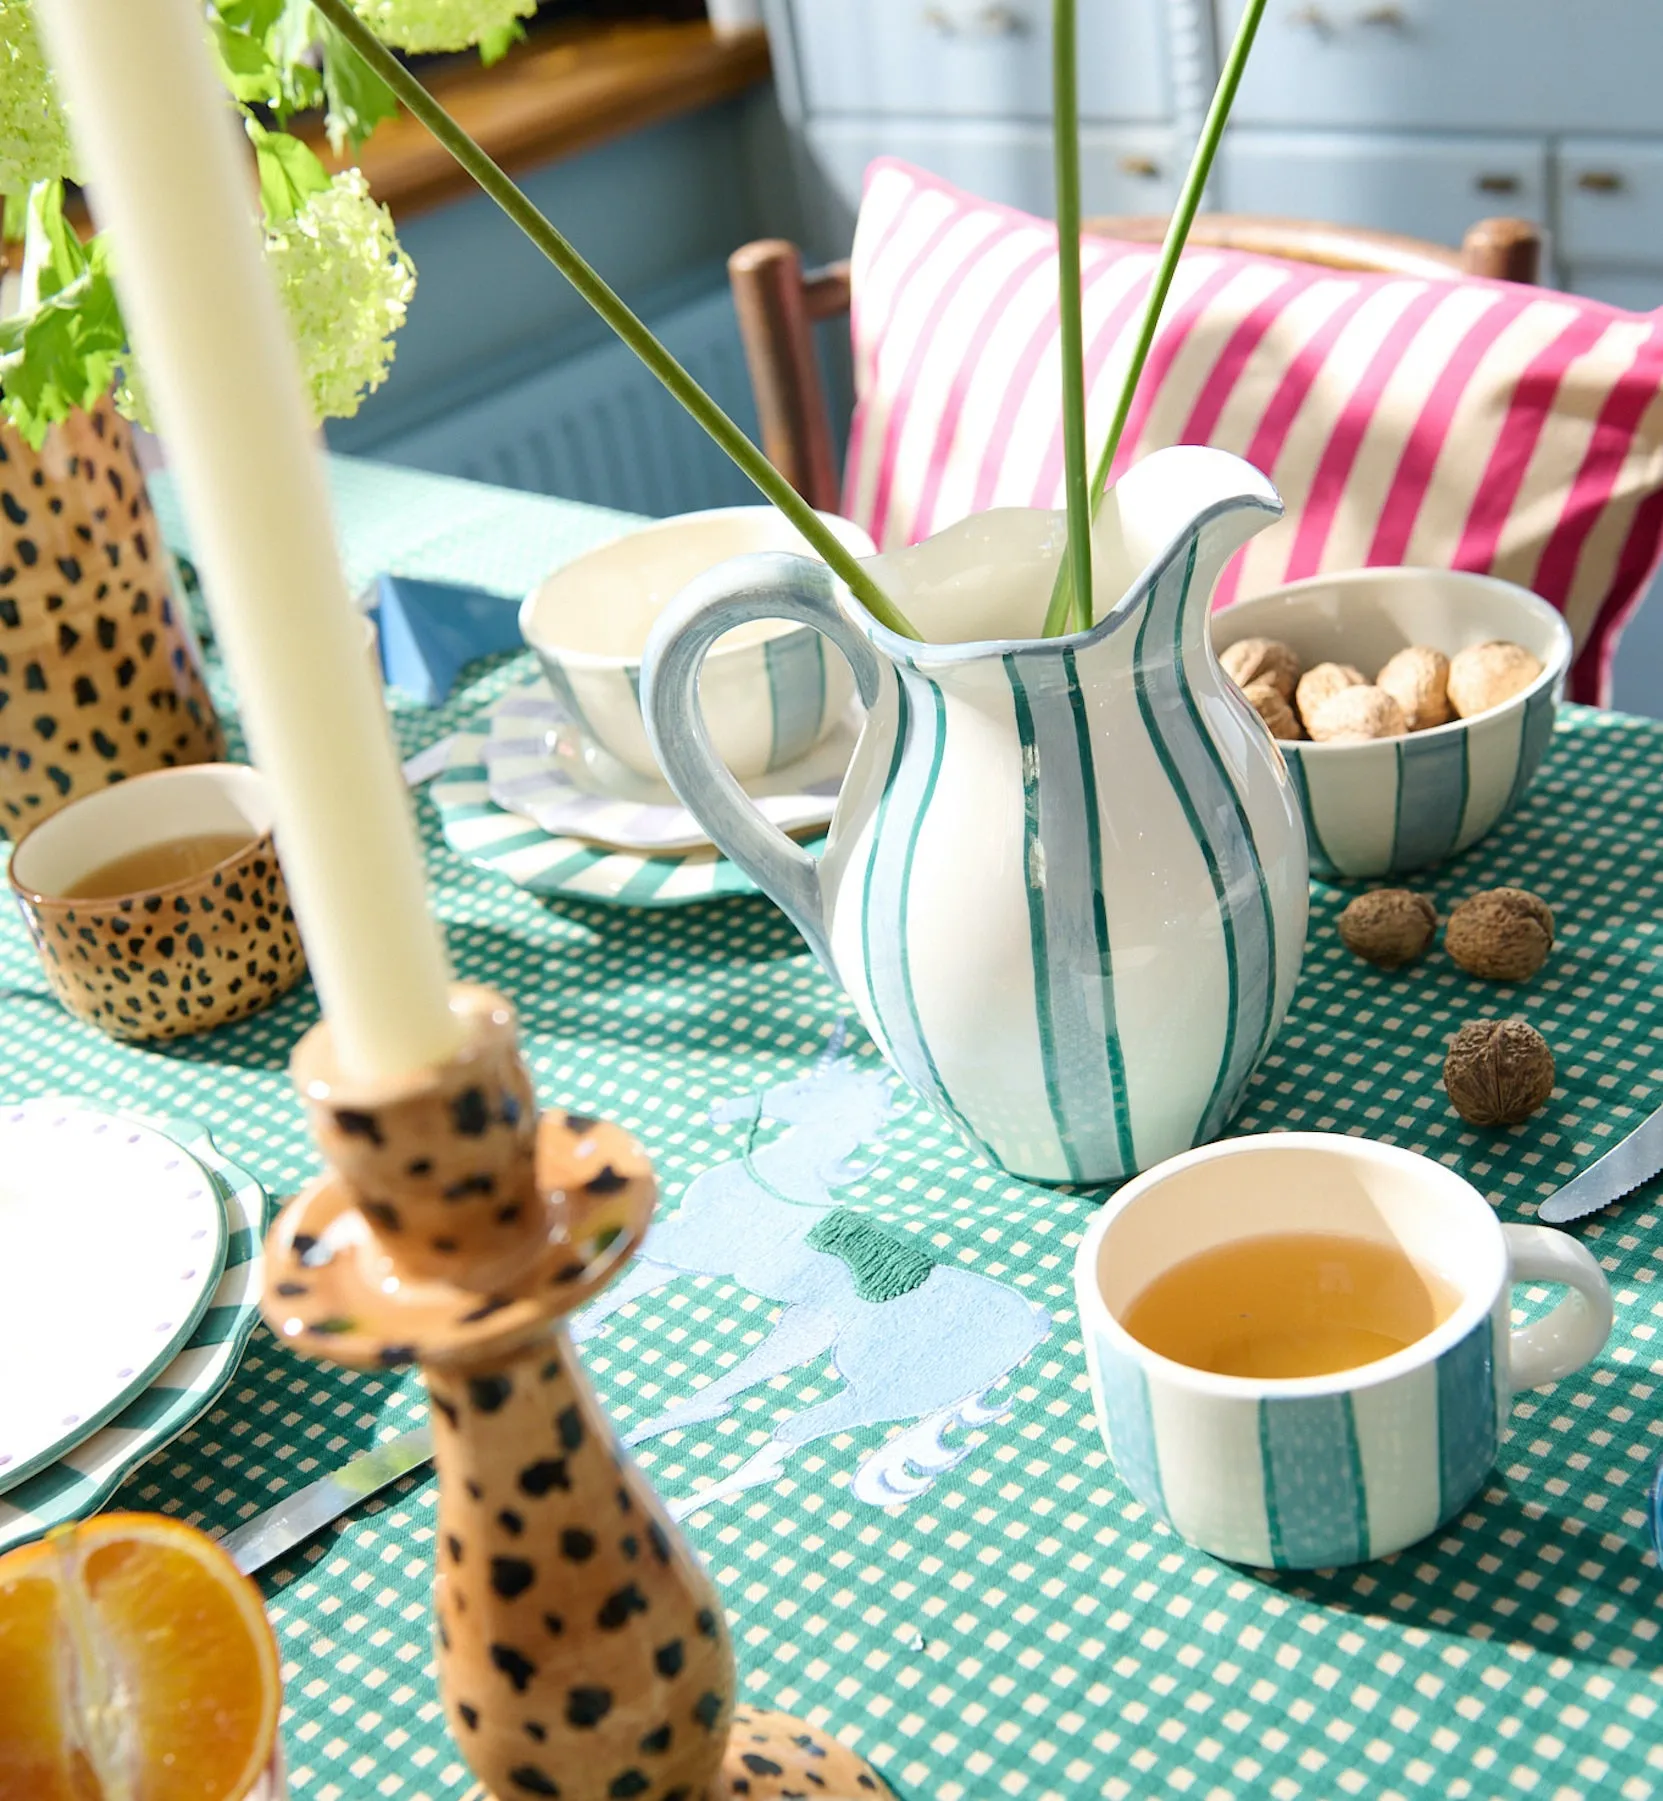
{"x": 1379, "y": 805}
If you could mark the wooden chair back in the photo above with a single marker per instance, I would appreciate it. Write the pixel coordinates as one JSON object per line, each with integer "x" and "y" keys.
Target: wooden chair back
{"x": 779, "y": 303}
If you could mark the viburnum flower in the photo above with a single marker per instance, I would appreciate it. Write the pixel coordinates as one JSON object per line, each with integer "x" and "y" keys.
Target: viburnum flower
{"x": 346, "y": 285}
{"x": 34, "y": 138}
{"x": 424, "y": 25}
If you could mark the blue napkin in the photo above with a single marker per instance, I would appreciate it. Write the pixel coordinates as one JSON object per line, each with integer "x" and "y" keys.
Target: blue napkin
{"x": 429, "y": 630}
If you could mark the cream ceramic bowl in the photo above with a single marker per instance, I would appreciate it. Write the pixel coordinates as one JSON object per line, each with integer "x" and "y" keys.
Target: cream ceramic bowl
{"x": 771, "y": 690}
{"x": 1401, "y": 804}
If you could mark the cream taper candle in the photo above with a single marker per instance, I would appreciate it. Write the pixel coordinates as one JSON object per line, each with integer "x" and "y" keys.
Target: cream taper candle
{"x": 167, "y": 180}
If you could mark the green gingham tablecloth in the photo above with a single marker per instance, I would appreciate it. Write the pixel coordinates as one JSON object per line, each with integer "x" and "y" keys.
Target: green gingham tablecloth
{"x": 1016, "y": 1625}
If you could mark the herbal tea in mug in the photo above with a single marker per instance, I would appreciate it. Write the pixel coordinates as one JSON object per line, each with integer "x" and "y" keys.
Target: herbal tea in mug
{"x": 1290, "y": 1304}
{"x": 158, "y": 865}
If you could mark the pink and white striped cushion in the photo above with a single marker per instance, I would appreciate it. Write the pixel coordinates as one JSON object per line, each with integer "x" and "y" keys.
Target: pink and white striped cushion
{"x": 1468, "y": 425}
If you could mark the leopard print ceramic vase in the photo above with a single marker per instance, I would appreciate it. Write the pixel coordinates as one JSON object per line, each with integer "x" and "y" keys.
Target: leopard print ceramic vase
{"x": 582, "y": 1650}
{"x": 98, "y": 676}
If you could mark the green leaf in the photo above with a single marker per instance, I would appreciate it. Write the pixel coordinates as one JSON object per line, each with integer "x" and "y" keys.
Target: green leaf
{"x": 496, "y": 43}
{"x": 53, "y": 255}
{"x": 62, "y": 357}
{"x": 245, "y": 68}
{"x": 357, "y": 98}
{"x": 289, "y": 43}
{"x": 290, "y": 173}
{"x": 255, "y": 16}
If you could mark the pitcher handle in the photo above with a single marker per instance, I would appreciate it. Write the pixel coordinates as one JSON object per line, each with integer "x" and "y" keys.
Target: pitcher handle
{"x": 773, "y": 586}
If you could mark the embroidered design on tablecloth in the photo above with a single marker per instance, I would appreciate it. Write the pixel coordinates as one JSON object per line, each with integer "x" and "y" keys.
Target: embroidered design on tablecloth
{"x": 913, "y": 1340}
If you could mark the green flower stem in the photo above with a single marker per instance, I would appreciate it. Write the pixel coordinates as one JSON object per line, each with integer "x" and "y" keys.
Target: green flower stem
{"x": 1066, "y": 142}
{"x": 496, "y": 183}
{"x": 1177, "y": 231}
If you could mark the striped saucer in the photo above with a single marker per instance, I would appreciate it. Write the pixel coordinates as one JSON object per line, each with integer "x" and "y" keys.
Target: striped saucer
{"x": 544, "y": 863}
{"x": 542, "y": 766}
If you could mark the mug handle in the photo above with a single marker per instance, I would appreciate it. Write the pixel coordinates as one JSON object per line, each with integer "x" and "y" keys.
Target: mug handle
{"x": 1574, "y": 1333}
{"x": 768, "y": 586}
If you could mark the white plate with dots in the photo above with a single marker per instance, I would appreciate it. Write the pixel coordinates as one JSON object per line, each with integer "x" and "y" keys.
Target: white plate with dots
{"x": 112, "y": 1241}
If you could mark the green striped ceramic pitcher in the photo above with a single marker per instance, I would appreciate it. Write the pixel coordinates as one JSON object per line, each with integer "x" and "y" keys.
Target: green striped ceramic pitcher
{"x": 1065, "y": 884}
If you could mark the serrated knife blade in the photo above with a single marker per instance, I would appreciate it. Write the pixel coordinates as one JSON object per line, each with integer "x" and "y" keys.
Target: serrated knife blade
{"x": 1625, "y": 1166}
{"x": 296, "y": 1517}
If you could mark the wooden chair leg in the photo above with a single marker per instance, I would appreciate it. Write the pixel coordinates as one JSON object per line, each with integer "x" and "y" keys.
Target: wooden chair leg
{"x": 1504, "y": 250}
{"x": 777, "y": 330}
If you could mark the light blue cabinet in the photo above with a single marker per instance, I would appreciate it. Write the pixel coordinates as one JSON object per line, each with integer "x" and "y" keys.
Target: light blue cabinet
{"x": 963, "y": 87}
{"x": 1127, "y": 169}
{"x": 1610, "y": 204}
{"x": 1422, "y": 116}
{"x": 970, "y": 59}
{"x": 1453, "y": 65}
{"x": 1416, "y": 116}
{"x": 1430, "y": 185}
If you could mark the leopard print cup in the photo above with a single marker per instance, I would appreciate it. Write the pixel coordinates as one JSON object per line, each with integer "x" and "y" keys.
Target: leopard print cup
{"x": 98, "y": 678}
{"x": 171, "y": 960}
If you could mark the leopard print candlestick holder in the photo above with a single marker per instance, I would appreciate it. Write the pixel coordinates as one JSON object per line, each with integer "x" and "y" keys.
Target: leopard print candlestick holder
{"x": 582, "y": 1651}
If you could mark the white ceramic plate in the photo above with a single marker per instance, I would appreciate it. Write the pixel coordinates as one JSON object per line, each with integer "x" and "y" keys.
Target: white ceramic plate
{"x": 545, "y": 769}
{"x": 112, "y": 1239}
{"x": 85, "y": 1478}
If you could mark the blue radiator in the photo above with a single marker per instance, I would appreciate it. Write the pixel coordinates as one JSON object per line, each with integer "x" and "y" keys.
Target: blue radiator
{"x": 598, "y": 427}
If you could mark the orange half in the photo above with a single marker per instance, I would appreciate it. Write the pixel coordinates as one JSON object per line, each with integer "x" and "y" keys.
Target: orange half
{"x": 136, "y": 1664}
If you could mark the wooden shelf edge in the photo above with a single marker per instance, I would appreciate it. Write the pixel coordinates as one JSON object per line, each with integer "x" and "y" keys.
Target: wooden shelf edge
{"x": 557, "y": 96}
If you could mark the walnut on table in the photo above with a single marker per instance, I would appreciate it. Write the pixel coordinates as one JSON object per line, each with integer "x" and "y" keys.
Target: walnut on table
{"x": 1498, "y": 1071}
{"x": 1389, "y": 927}
{"x": 1500, "y": 934}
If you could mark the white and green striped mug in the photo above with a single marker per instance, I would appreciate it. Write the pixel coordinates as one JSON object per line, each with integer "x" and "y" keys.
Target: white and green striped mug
{"x": 1065, "y": 883}
{"x": 1318, "y": 1471}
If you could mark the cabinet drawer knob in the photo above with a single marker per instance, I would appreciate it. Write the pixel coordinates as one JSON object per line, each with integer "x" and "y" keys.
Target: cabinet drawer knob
{"x": 1497, "y": 183}
{"x": 1144, "y": 167}
{"x": 1599, "y": 181}
{"x": 991, "y": 21}
{"x": 1313, "y": 18}
{"x": 1001, "y": 22}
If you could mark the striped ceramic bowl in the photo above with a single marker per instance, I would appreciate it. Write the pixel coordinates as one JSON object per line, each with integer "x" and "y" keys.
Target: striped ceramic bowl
{"x": 771, "y": 690}
{"x": 1399, "y": 804}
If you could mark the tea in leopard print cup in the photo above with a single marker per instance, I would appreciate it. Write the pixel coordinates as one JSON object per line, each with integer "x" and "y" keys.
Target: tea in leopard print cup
{"x": 99, "y": 678}
{"x": 169, "y": 959}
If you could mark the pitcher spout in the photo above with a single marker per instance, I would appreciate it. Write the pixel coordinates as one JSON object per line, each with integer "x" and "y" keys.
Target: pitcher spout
{"x": 1188, "y": 496}
{"x": 984, "y": 584}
